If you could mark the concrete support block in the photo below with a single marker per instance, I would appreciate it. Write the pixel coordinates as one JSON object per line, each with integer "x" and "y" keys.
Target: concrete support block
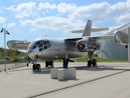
{"x": 61, "y": 74}
{"x": 54, "y": 73}
{"x": 70, "y": 73}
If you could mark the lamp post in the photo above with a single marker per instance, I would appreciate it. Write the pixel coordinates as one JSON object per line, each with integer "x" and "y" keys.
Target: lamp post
{"x": 5, "y": 32}
{"x": 26, "y": 54}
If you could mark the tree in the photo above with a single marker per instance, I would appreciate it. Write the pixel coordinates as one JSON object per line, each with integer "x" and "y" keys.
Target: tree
{"x": 0, "y": 54}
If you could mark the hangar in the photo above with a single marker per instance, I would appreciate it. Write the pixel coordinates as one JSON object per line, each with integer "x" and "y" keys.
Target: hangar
{"x": 116, "y": 48}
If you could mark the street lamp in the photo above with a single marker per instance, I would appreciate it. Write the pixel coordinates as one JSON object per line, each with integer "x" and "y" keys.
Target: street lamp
{"x": 5, "y": 32}
{"x": 26, "y": 53}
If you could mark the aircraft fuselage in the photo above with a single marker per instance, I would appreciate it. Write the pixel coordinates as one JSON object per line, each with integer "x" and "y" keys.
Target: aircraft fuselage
{"x": 53, "y": 47}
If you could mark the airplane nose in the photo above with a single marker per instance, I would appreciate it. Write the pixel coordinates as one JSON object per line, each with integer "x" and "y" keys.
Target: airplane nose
{"x": 29, "y": 51}
{"x": 31, "y": 54}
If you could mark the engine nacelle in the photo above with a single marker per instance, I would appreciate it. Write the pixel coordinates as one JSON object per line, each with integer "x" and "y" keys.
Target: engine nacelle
{"x": 121, "y": 38}
{"x": 87, "y": 46}
{"x": 81, "y": 46}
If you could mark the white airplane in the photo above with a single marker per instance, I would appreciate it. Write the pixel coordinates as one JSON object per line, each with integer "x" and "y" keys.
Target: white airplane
{"x": 46, "y": 48}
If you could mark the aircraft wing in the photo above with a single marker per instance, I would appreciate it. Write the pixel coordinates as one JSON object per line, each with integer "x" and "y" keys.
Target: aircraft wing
{"x": 101, "y": 37}
{"x": 73, "y": 40}
{"x": 92, "y": 30}
{"x": 18, "y": 45}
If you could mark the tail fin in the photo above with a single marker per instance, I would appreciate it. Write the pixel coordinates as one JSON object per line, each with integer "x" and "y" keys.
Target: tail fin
{"x": 87, "y": 30}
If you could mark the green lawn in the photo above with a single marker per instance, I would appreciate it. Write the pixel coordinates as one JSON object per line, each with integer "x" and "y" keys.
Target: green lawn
{"x": 85, "y": 58}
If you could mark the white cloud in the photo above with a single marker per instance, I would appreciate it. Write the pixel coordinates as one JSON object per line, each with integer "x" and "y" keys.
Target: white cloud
{"x": 116, "y": 10}
{"x": 128, "y": 3}
{"x": 94, "y": 12}
{"x": 52, "y": 23}
{"x": 11, "y": 24}
{"x": 2, "y": 19}
{"x": 63, "y": 7}
{"x": 125, "y": 18}
{"x": 99, "y": 12}
{"x": 23, "y": 10}
{"x": 46, "y": 5}
{"x": 11, "y": 8}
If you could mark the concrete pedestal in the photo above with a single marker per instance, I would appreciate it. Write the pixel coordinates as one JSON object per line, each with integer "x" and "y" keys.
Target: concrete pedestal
{"x": 63, "y": 74}
{"x": 70, "y": 73}
{"x": 54, "y": 73}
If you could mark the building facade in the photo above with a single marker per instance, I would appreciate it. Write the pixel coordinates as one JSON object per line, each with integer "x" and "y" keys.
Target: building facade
{"x": 111, "y": 50}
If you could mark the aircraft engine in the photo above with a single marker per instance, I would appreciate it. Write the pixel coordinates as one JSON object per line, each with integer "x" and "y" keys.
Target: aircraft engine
{"x": 81, "y": 46}
{"x": 121, "y": 38}
{"x": 87, "y": 46}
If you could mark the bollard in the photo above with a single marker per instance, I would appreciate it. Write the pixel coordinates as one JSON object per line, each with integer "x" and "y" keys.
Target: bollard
{"x": 12, "y": 68}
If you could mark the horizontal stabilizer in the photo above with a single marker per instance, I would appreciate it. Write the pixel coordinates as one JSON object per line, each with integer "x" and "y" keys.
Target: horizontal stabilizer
{"x": 92, "y": 30}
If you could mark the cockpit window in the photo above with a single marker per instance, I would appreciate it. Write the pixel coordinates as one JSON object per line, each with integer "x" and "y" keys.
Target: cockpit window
{"x": 37, "y": 43}
{"x": 42, "y": 45}
{"x": 41, "y": 49}
{"x": 34, "y": 46}
{"x": 45, "y": 47}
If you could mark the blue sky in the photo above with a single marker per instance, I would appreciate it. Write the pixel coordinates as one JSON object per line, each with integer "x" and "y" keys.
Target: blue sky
{"x": 31, "y": 19}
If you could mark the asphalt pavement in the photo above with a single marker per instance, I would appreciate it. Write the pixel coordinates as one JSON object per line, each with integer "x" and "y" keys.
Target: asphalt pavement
{"x": 108, "y": 80}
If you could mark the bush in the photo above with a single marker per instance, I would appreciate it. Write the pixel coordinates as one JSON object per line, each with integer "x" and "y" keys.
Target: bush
{"x": 16, "y": 59}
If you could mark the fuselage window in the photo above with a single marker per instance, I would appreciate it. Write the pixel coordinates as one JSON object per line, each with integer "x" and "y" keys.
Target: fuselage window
{"x": 41, "y": 49}
{"x": 43, "y": 42}
{"x": 40, "y": 45}
{"x": 47, "y": 42}
{"x": 37, "y": 43}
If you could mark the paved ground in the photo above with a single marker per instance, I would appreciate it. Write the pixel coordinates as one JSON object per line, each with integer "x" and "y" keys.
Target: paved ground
{"x": 109, "y": 80}
{"x": 2, "y": 66}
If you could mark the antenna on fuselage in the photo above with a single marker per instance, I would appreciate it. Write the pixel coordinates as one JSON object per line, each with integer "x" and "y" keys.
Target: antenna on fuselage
{"x": 45, "y": 36}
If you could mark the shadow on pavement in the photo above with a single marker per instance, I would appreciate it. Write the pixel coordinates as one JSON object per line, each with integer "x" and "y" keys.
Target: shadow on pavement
{"x": 100, "y": 68}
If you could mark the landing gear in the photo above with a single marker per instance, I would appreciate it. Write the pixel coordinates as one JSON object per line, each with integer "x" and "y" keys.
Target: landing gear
{"x": 92, "y": 62}
{"x": 36, "y": 67}
{"x": 49, "y": 63}
{"x": 89, "y": 63}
